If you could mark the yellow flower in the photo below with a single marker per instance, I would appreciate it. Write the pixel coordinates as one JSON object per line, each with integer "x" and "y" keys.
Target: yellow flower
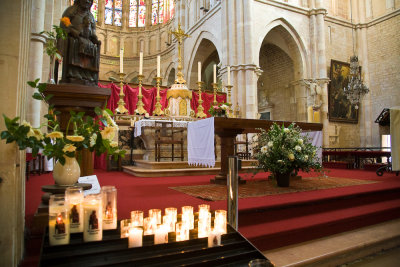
{"x": 75, "y": 138}
{"x": 69, "y": 148}
{"x": 291, "y": 157}
{"x": 55, "y": 135}
{"x": 38, "y": 134}
{"x": 108, "y": 133}
{"x": 113, "y": 144}
{"x": 66, "y": 21}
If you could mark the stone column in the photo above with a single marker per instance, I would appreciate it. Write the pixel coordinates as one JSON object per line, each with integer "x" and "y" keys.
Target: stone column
{"x": 36, "y": 59}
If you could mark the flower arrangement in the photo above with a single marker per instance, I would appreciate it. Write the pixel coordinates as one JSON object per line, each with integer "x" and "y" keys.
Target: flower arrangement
{"x": 283, "y": 150}
{"x": 219, "y": 109}
{"x": 51, "y": 42}
{"x": 94, "y": 134}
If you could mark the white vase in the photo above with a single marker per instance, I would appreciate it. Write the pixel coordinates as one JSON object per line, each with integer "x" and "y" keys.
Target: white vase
{"x": 68, "y": 173}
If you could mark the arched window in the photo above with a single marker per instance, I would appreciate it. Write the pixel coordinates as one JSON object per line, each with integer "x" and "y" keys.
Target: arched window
{"x": 161, "y": 11}
{"x": 132, "y": 13}
{"x": 142, "y": 14}
{"x": 93, "y": 9}
{"x": 113, "y": 12}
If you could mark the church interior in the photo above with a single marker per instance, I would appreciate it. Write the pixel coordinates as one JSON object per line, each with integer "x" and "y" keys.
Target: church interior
{"x": 177, "y": 92}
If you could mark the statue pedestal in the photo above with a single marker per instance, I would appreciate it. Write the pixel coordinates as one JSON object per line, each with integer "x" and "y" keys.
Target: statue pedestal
{"x": 79, "y": 98}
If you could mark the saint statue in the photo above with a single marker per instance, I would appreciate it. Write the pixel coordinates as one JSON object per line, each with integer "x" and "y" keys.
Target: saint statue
{"x": 81, "y": 49}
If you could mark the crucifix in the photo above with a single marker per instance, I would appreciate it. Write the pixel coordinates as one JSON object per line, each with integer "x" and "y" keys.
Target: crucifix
{"x": 179, "y": 35}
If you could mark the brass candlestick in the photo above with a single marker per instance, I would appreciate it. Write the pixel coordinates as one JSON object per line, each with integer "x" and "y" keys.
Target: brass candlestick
{"x": 200, "y": 110}
{"x": 140, "y": 106}
{"x": 230, "y": 111}
{"x": 158, "y": 108}
{"x": 121, "y": 103}
{"x": 214, "y": 85}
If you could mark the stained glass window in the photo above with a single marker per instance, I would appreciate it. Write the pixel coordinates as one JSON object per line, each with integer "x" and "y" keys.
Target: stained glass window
{"x": 154, "y": 12}
{"x": 132, "y": 13}
{"x": 94, "y": 9}
{"x": 108, "y": 12}
{"x": 161, "y": 12}
{"x": 118, "y": 13}
{"x": 142, "y": 14}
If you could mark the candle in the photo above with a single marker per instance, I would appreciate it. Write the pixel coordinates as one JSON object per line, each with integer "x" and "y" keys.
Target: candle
{"x": 137, "y": 218}
{"x": 135, "y": 237}
{"x": 188, "y": 217}
{"x": 156, "y": 214}
{"x": 220, "y": 221}
{"x": 161, "y": 234}
{"x": 125, "y": 225}
{"x": 121, "y": 60}
{"x": 182, "y": 232}
{"x": 316, "y": 116}
{"x": 204, "y": 225}
{"x": 58, "y": 221}
{"x": 229, "y": 75}
{"x": 149, "y": 225}
{"x": 214, "y": 238}
{"x": 141, "y": 63}
{"x": 173, "y": 212}
{"x": 203, "y": 210}
{"x": 169, "y": 222}
{"x": 74, "y": 199}
{"x": 109, "y": 194}
{"x": 158, "y": 66}
{"x": 199, "y": 71}
{"x": 310, "y": 113}
{"x": 215, "y": 73}
{"x": 93, "y": 218}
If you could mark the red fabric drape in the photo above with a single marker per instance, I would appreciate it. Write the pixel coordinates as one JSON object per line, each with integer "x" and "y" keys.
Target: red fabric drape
{"x": 149, "y": 98}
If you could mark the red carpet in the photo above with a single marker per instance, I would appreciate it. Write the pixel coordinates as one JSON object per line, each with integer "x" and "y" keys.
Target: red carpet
{"x": 259, "y": 217}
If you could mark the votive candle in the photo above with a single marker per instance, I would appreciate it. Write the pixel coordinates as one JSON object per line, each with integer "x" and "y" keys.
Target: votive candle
{"x": 155, "y": 213}
{"x": 93, "y": 218}
{"x": 220, "y": 221}
{"x": 173, "y": 212}
{"x": 74, "y": 199}
{"x": 149, "y": 225}
{"x": 182, "y": 232}
{"x": 137, "y": 218}
{"x": 109, "y": 194}
{"x": 169, "y": 222}
{"x": 59, "y": 228}
{"x": 161, "y": 234}
{"x": 125, "y": 225}
{"x": 135, "y": 238}
{"x": 214, "y": 238}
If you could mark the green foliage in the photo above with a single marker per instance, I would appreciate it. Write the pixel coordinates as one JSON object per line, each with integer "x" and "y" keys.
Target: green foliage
{"x": 220, "y": 108}
{"x": 51, "y": 42}
{"x": 93, "y": 134}
{"x": 283, "y": 150}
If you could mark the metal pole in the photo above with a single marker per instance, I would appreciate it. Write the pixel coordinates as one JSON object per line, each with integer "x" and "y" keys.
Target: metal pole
{"x": 232, "y": 187}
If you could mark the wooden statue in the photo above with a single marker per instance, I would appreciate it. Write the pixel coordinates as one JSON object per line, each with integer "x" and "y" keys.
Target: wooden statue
{"x": 81, "y": 49}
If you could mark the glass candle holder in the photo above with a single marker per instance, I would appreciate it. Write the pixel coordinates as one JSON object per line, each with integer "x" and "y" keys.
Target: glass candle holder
{"x": 149, "y": 225}
{"x": 220, "y": 220}
{"x": 137, "y": 218}
{"x": 125, "y": 225}
{"x": 135, "y": 238}
{"x": 214, "y": 238}
{"x": 188, "y": 216}
{"x": 155, "y": 213}
{"x": 58, "y": 221}
{"x": 93, "y": 218}
{"x": 203, "y": 209}
{"x": 109, "y": 194}
{"x": 182, "y": 232}
{"x": 169, "y": 222}
{"x": 204, "y": 225}
{"x": 74, "y": 199}
{"x": 173, "y": 212}
{"x": 161, "y": 234}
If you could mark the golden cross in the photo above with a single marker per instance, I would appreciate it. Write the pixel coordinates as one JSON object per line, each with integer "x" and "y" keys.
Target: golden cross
{"x": 179, "y": 34}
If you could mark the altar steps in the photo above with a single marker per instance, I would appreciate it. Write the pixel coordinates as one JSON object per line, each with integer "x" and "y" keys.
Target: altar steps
{"x": 143, "y": 168}
{"x": 289, "y": 223}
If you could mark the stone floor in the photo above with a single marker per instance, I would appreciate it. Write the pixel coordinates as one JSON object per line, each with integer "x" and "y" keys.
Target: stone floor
{"x": 346, "y": 249}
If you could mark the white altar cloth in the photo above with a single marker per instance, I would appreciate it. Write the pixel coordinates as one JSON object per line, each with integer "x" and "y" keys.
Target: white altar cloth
{"x": 152, "y": 123}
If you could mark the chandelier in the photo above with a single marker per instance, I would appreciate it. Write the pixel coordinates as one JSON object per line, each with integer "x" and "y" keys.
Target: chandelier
{"x": 355, "y": 89}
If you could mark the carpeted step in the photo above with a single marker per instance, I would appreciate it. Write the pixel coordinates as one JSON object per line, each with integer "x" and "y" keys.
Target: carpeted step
{"x": 278, "y": 233}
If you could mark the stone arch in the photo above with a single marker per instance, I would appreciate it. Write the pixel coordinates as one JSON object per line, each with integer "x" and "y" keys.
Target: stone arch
{"x": 150, "y": 79}
{"x": 206, "y": 41}
{"x": 170, "y": 74}
{"x": 132, "y": 77}
{"x": 112, "y": 76}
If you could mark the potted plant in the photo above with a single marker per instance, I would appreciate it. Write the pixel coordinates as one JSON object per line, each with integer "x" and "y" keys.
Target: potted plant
{"x": 284, "y": 150}
{"x": 82, "y": 132}
{"x": 219, "y": 110}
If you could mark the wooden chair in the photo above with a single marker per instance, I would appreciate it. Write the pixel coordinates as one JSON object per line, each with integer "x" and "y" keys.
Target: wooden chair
{"x": 167, "y": 134}
{"x": 242, "y": 154}
{"x": 37, "y": 164}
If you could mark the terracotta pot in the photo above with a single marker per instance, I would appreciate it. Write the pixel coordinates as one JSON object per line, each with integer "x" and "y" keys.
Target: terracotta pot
{"x": 282, "y": 179}
{"x": 67, "y": 174}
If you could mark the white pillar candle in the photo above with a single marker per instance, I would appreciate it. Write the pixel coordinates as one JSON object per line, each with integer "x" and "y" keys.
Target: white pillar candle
{"x": 158, "y": 66}
{"x": 74, "y": 199}
{"x": 135, "y": 237}
{"x": 215, "y": 73}
{"x": 182, "y": 232}
{"x": 220, "y": 221}
{"x": 109, "y": 194}
{"x": 93, "y": 218}
{"x": 229, "y": 75}
{"x": 141, "y": 63}
{"x": 137, "y": 218}
{"x": 161, "y": 234}
{"x": 203, "y": 210}
{"x": 58, "y": 221}
{"x": 199, "y": 71}
{"x": 121, "y": 60}
{"x": 214, "y": 238}
{"x": 155, "y": 213}
{"x": 125, "y": 225}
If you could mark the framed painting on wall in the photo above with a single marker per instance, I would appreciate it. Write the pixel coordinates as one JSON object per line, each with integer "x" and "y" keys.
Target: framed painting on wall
{"x": 340, "y": 108}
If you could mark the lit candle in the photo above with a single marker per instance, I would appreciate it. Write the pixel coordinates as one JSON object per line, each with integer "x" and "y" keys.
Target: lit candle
{"x": 204, "y": 225}
{"x": 182, "y": 232}
{"x": 188, "y": 217}
{"x": 156, "y": 214}
{"x": 158, "y": 66}
{"x": 121, "y": 60}
{"x": 141, "y": 63}
{"x": 215, "y": 73}
{"x": 161, "y": 234}
{"x": 125, "y": 225}
{"x": 199, "y": 71}
{"x": 137, "y": 218}
{"x": 135, "y": 237}
{"x": 149, "y": 225}
{"x": 229, "y": 75}
{"x": 173, "y": 212}
{"x": 169, "y": 222}
{"x": 109, "y": 194}
{"x": 203, "y": 210}
{"x": 220, "y": 221}
{"x": 214, "y": 238}
{"x": 58, "y": 221}
{"x": 74, "y": 198}
{"x": 93, "y": 218}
